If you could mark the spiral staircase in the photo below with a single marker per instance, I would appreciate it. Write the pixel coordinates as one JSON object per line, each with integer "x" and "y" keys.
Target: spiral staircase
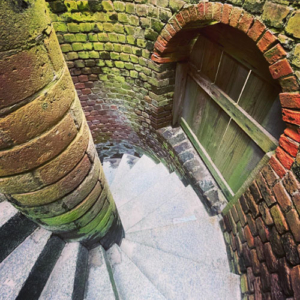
{"x": 172, "y": 248}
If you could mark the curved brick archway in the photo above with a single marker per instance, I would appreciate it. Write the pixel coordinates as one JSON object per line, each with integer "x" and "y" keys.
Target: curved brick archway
{"x": 175, "y": 43}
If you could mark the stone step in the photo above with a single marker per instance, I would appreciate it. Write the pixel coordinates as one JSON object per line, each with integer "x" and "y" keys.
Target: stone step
{"x": 143, "y": 165}
{"x": 145, "y": 203}
{"x": 200, "y": 241}
{"x": 15, "y": 269}
{"x": 127, "y": 162}
{"x": 140, "y": 184}
{"x": 67, "y": 280}
{"x": 185, "y": 206}
{"x": 110, "y": 167}
{"x": 131, "y": 283}
{"x": 180, "y": 278}
{"x": 100, "y": 282}
{"x": 14, "y": 229}
{"x": 42, "y": 269}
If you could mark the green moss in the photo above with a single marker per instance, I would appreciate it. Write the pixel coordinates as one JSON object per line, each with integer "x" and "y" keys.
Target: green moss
{"x": 114, "y": 55}
{"x": 73, "y": 27}
{"x": 109, "y": 47}
{"x": 77, "y": 46}
{"x": 130, "y": 8}
{"x": 112, "y": 37}
{"x": 129, "y": 29}
{"x": 93, "y": 37}
{"x": 66, "y": 48}
{"x": 87, "y": 46}
{"x": 103, "y": 37}
{"x": 81, "y": 37}
{"x": 83, "y": 5}
{"x": 86, "y": 27}
{"x": 121, "y": 38}
{"x": 108, "y": 27}
{"x": 118, "y": 28}
{"x": 98, "y": 46}
{"x": 131, "y": 39}
{"x": 69, "y": 37}
{"x": 119, "y": 6}
{"x": 107, "y": 5}
{"x": 119, "y": 64}
{"x": 141, "y": 43}
{"x": 83, "y": 54}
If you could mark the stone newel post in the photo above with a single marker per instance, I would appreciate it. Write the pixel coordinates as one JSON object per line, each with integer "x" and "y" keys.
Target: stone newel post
{"x": 49, "y": 168}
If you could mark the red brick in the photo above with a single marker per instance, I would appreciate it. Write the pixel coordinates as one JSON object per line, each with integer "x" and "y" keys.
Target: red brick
{"x": 271, "y": 259}
{"x": 265, "y": 191}
{"x": 292, "y": 218}
{"x": 286, "y": 160}
{"x": 252, "y": 225}
{"x": 217, "y": 11}
{"x": 79, "y": 85}
{"x": 266, "y": 41}
{"x": 295, "y": 278}
{"x": 265, "y": 278}
{"x": 235, "y": 16}
{"x": 276, "y": 290}
{"x": 280, "y": 68}
{"x": 255, "y": 262}
{"x": 263, "y": 231}
{"x": 193, "y": 13}
{"x": 282, "y": 197}
{"x": 284, "y": 274}
{"x": 279, "y": 219}
{"x": 249, "y": 237}
{"x": 290, "y": 183}
{"x": 256, "y": 30}
{"x": 165, "y": 34}
{"x": 270, "y": 176}
{"x": 290, "y": 248}
{"x": 257, "y": 289}
{"x": 293, "y": 132}
{"x": 290, "y": 100}
{"x": 180, "y": 20}
{"x": 201, "y": 11}
{"x": 226, "y": 13}
{"x": 251, "y": 203}
{"x": 265, "y": 213}
{"x": 274, "y": 54}
{"x": 290, "y": 146}
{"x": 296, "y": 201}
{"x": 255, "y": 192}
{"x": 259, "y": 249}
{"x": 277, "y": 167}
{"x": 289, "y": 84}
{"x": 208, "y": 11}
{"x": 245, "y": 22}
{"x": 246, "y": 256}
{"x": 83, "y": 78}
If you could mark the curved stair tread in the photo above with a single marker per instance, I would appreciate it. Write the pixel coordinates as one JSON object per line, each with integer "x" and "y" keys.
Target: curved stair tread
{"x": 180, "y": 278}
{"x": 66, "y": 278}
{"x": 15, "y": 269}
{"x": 142, "y": 183}
{"x": 181, "y": 208}
{"x": 110, "y": 168}
{"x": 131, "y": 283}
{"x": 144, "y": 204}
{"x": 142, "y": 165}
{"x": 127, "y": 162}
{"x": 200, "y": 241}
{"x": 99, "y": 282}
{"x": 7, "y": 211}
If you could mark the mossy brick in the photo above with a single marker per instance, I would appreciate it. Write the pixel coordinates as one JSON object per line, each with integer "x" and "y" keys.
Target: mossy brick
{"x": 93, "y": 37}
{"x": 134, "y": 59}
{"x": 121, "y": 38}
{"x": 98, "y": 46}
{"x": 275, "y": 14}
{"x": 133, "y": 20}
{"x": 143, "y": 77}
{"x": 112, "y": 16}
{"x": 60, "y": 27}
{"x": 77, "y": 46}
{"x": 87, "y": 46}
{"x": 119, "y": 6}
{"x": 138, "y": 68}
{"x": 147, "y": 71}
{"x": 109, "y": 47}
{"x": 145, "y": 22}
{"x": 136, "y": 51}
{"x": 100, "y": 63}
{"x": 72, "y": 55}
{"x": 38, "y": 151}
{"x": 83, "y": 55}
{"x": 83, "y": 5}
{"x": 130, "y": 8}
{"x": 131, "y": 39}
{"x": 141, "y": 10}
{"x": 129, "y": 29}
{"x": 86, "y": 27}
{"x": 108, "y": 27}
{"x": 66, "y": 48}
{"x": 60, "y": 38}
{"x": 129, "y": 66}
{"x": 93, "y": 54}
{"x": 71, "y": 5}
{"x": 120, "y": 78}
{"x": 127, "y": 49}
{"x": 153, "y": 12}
{"x": 103, "y": 37}
{"x": 145, "y": 53}
{"x": 150, "y": 34}
{"x": 254, "y": 6}
{"x": 176, "y": 5}
{"x": 117, "y": 47}
{"x": 73, "y": 27}
{"x": 119, "y": 64}
{"x": 164, "y": 15}
{"x": 123, "y": 18}
{"x": 104, "y": 55}
{"x": 141, "y": 43}
{"x": 79, "y": 63}
{"x": 293, "y": 27}
{"x": 98, "y": 27}
{"x": 114, "y": 55}
{"x": 118, "y": 28}
{"x": 143, "y": 61}
{"x": 103, "y": 77}
{"x": 81, "y": 37}
{"x": 109, "y": 63}
{"x": 296, "y": 56}
{"x": 112, "y": 37}
{"x": 134, "y": 74}
{"x": 107, "y": 5}
{"x": 69, "y": 37}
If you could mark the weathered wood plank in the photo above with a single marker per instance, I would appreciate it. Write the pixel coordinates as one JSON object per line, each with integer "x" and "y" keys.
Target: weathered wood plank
{"x": 260, "y": 136}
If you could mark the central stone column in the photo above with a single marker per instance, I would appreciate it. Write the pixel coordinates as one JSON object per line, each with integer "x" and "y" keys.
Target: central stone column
{"x": 49, "y": 168}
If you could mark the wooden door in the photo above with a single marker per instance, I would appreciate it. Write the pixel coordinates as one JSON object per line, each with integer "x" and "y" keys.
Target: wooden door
{"x": 228, "y": 105}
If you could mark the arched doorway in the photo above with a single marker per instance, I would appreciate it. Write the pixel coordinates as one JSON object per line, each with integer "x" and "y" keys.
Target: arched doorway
{"x": 228, "y": 104}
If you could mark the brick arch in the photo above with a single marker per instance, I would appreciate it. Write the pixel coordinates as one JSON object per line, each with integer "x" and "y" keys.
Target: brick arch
{"x": 175, "y": 43}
